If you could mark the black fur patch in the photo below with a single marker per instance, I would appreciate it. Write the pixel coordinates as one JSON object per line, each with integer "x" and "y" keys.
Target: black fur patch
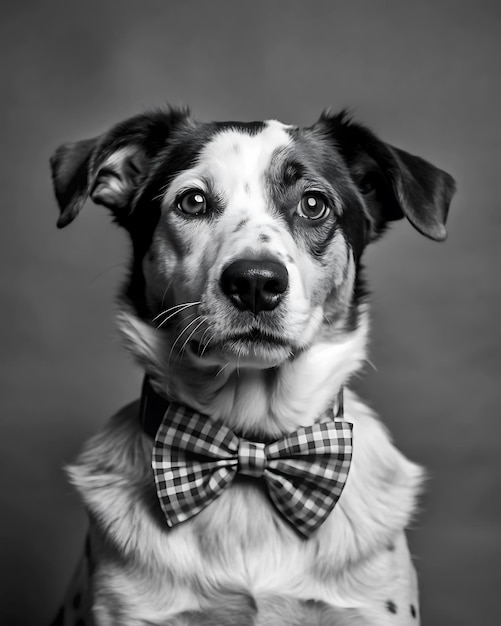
{"x": 391, "y": 607}
{"x": 314, "y": 163}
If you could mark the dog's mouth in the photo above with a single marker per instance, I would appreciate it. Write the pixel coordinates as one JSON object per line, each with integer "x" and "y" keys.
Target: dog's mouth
{"x": 257, "y": 337}
{"x": 254, "y": 344}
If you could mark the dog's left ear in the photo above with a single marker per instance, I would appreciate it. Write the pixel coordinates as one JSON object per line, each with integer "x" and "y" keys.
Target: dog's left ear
{"x": 394, "y": 183}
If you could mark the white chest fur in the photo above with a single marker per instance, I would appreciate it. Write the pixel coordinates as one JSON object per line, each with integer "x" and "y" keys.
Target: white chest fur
{"x": 239, "y": 542}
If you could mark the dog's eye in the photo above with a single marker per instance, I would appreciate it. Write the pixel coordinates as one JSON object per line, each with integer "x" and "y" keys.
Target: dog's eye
{"x": 313, "y": 207}
{"x": 192, "y": 203}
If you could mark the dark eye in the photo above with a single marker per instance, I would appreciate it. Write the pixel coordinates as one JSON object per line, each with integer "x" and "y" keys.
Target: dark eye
{"x": 313, "y": 207}
{"x": 192, "y": 203}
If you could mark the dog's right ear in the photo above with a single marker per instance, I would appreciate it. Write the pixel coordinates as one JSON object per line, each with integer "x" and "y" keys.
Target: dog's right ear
{"x": 110, "y": 168}
{"x": 70, "y": 173}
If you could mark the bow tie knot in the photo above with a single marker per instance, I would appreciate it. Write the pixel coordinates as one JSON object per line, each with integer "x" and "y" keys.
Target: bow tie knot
{"x": 251, "y": 458}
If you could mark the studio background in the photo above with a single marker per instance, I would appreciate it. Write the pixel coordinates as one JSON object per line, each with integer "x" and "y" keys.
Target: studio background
{"x": 425, "y": 76}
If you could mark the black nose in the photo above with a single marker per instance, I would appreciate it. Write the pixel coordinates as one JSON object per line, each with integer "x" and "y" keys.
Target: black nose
{"x": 255, "y": 285}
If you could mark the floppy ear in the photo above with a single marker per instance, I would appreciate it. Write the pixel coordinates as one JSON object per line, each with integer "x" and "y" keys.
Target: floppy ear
{"x": 110, "y": 168}
{"x": 394, "y": 183}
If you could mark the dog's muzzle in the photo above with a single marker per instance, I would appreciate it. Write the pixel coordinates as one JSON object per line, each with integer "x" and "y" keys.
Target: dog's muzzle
{"x": 255, "y": 285}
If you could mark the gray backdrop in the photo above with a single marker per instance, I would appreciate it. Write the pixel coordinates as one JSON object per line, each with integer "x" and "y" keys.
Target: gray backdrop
{"x": 425, "y": 76}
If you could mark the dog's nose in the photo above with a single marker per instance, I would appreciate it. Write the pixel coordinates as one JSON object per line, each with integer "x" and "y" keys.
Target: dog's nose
{"x": 255, "y": 285}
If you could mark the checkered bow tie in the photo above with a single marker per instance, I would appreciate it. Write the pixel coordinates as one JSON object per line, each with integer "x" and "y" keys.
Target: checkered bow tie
{"x": 195, "y": 459}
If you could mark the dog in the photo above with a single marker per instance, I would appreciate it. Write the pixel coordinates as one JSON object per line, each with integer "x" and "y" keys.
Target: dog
{"x": 246, "y": 307}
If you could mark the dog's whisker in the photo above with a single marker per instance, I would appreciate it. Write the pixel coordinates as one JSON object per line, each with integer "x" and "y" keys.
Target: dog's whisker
{"x": 191, "y": 335}
{"x": 180, "y": 325}
{"x": 181, "y": 308}
{"x": 202, "y": 340}
{"x": 207, "y": 344}
{"x": 199, "y": 317}
{"x": 165, "y": 293}
{"x": 176, "y": 306}
{"x": 206, "y": 332}
{"x": 222, "y": 369}
{"x": 163, "y": 189}
{"x": 371, "y": 364}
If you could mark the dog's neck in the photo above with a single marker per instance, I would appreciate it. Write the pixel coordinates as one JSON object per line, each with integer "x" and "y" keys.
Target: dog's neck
{"x": 265, "y": 403}
{"x": 154, "y": 406}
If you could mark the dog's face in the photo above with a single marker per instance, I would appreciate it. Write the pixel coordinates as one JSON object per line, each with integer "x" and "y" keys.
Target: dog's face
{"x": 252, "y": 238}
{"x": 247, "y": 238}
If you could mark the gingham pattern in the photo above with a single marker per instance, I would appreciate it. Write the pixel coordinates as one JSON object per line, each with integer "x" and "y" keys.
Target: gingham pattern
{"x": 195, "y": 458}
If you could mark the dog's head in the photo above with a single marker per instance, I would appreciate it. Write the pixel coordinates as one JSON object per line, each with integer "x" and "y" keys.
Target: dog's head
{"x": 247, "y": 237}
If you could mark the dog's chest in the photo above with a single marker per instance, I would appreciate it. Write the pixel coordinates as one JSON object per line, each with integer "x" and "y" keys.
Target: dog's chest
{"x": 240, "y": 542}
{"x": 239, "y": 545}
{"x": 242, "y": 538}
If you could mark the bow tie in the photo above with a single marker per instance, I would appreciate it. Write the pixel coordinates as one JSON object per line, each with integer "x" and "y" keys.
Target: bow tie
{"x": 196, "y": 458}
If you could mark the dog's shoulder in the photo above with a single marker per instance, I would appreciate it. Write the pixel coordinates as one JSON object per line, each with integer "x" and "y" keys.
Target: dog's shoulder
{"x": 380, "y": 495}
{"x": 114, "y": 450}
{"x": 112, "y": 474}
